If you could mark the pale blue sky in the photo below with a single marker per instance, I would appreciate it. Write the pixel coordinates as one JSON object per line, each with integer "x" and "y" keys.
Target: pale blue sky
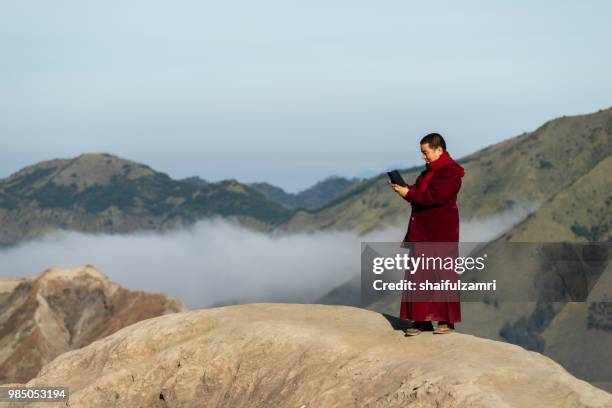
{"x": 290, "y": 92}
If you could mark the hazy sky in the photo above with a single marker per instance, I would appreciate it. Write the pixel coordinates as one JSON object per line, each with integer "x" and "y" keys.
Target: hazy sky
{"x": 290, "y": 92}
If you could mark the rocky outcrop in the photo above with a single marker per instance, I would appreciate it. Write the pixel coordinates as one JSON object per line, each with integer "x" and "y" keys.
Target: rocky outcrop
{"x": 64, "y": 309}
{"x": 294, "y": 355}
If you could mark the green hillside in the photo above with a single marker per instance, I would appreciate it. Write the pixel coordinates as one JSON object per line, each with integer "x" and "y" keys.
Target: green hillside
{"x": 104, "y": 193}
{"x": 579, "y": 212}
{"x": 315, "y": 196}
{"x": 531, "y": 167}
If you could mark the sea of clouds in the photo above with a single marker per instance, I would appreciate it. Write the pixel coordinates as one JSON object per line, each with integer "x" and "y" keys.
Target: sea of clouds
{"x": 215, "y": 262}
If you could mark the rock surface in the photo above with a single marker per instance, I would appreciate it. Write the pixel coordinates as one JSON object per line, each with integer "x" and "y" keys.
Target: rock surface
{"x": 63, "y": 309}
{"x": 294, "y": 355}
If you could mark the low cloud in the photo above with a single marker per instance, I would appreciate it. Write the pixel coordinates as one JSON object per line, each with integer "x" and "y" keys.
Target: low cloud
{"x": 485, "y": 229}
{"x": 217, "y": 262}
{"x": 213, "y": 262}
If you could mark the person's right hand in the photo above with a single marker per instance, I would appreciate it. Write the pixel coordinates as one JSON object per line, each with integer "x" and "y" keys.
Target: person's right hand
{"x": 401, "y": 190}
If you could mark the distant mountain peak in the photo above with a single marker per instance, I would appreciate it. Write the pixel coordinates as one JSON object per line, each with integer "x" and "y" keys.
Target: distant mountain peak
{"x": 314, "y": 196}
{"x": 99, "y": 168}
{"x": 83, "y": 171}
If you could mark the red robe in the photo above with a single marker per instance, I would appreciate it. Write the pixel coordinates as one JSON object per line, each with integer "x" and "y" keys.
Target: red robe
{"x": 434, "y": 218}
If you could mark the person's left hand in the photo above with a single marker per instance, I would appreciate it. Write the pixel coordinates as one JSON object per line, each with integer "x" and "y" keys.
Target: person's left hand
{"x": 400, "y": 189}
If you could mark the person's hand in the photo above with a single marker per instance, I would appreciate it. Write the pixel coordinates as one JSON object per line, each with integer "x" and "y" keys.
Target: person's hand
{"x": 399, "y": 189}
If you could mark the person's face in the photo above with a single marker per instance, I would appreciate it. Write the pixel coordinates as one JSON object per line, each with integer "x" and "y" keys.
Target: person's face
{"x": 429, "y": 154}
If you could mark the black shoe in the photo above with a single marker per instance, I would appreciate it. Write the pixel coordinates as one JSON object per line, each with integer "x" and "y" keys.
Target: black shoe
{"x": 424, "y": 325}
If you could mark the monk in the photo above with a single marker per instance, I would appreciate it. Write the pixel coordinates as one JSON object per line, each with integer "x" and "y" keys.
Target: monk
{"x": 434, "y": 218}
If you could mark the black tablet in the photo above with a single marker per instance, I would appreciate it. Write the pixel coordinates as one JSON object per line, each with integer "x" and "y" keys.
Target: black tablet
{"x": 396, "y": 178}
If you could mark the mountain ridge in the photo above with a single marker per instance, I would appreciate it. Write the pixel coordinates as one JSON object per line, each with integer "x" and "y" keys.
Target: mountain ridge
{"x": 312, "y": 197}
{"x": 531, "y": 167}
{"x": 100, "y": 192}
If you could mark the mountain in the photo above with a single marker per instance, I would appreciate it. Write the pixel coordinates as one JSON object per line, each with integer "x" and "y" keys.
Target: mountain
{"x": 313, "y": 197}
{"x": 59, "y": 310}
{"x": 296, "y": 355}
{"x": 195, "y": 180}
{"x": 104, "y": 193}
{"x": 580, "y": 212}
{"x": 516, "y": 173}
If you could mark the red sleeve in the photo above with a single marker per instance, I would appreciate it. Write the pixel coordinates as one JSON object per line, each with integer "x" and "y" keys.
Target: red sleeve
{"x": 414, "y": 186}
{"x": 440, "y": 188}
